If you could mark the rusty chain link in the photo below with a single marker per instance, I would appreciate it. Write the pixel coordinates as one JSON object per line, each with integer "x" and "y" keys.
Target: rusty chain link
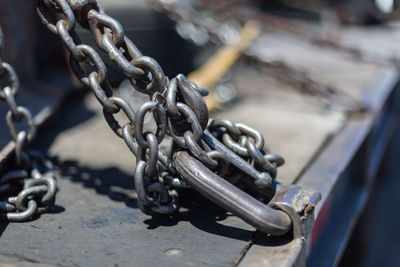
{"x": 32, "y": 172}
{"x": 177, "y": 106}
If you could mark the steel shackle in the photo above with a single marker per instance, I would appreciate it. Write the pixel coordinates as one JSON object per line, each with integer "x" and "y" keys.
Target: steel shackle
{"x": 230, "y": 197}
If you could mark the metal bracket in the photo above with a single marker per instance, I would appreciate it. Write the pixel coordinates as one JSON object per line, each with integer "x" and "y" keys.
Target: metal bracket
{"x": 299, "y": 204}
{"x": 292, "y": 206}
{"x": 230, "y": 197}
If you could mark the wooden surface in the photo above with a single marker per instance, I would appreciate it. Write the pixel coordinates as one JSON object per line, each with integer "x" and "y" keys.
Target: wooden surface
{"x": 96, "y": 221}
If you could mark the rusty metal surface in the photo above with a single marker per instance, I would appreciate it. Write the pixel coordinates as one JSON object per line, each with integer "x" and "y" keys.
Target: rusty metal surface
{"x": 330, "y": 174}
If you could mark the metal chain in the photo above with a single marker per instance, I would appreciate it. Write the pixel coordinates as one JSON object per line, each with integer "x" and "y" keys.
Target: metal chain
{"x": 248, "y": 143}
{"x": 32, "y": 172}
{"x": 186, "y": 11}
{"x": 177, "y": 106}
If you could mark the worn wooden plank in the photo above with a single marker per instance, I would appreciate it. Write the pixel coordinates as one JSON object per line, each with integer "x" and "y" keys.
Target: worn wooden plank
{"x": 96, "y": 221}
{"x": 293, "y": 125}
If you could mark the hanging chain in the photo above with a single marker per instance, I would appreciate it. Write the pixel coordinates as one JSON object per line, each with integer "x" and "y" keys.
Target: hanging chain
{"x": 32, "y": 172}
{"x": 177, "y": 106}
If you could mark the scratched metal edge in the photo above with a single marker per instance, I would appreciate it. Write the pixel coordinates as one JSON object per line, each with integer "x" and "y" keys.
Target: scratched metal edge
{"x": 377, "y": 101}
{"x": 374, "y": 97}
{"x": 351, "y": 136}
{"x": 270, "y": 256}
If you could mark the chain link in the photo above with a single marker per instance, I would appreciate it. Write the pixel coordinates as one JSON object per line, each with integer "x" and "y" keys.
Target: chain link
{"x": 177, "y": 107}
{"x": 248, "y": 143}
{"x": 33, "y": 173}
{"x": 38, "y": 190}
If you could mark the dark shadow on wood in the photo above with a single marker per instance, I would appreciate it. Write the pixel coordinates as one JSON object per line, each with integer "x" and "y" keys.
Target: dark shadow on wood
{"x": 3, "y": 226}
{"x": 103, "y": 181}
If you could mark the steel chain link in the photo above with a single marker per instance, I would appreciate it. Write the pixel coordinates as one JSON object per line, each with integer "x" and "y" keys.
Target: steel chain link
{"x": 33, "y": 173}
{"x": 177, "y": 106}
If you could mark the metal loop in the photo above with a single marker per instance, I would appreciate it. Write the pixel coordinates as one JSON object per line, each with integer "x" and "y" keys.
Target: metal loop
{"x": 262, "y": 179}
{"x": 98, "y": 21}
{"x": 20, "y": 145}
{"x": 171, "y": 204}
{"x": 256, "y": 135}
{"x": 276, "y": 159}
{"x": 119, "y": 103}
{"x": 151, "y": 161}
{"x": 259, "y": 158}
{"x": 66, "y": 11}
{"x": 198, "y": 151}
{"x": 95, "y": 59}
{"x": 163, "y": 201}
{"x": 102, "y": 93}
{"x": 174, "y": 181}
{"x": 193, "y": 99}
{"x": 26, "y": 114}
{"x": 241, "y": 133}
{"x": 222, "y": 162}
{"x": 189, "y": 96}
{"x": 144, "y": 201}
{"x": 22, "y": 198}
{"x": 160, "y": 117}
{"x": 40, "y": 190}
{"x": 71, "y": 41}
{"x": 119, "y": 59}
{"x": 131, "y": 48}
{"x": 20, "y": 216}
{"x": 12, "y": 78}
{"x": 158, "y": 81}
{"x": 234, "y": 146}
{"x": 227, "y": 124}
{"x": 10, "y": 99}
{"x": 112, "y": 39}
{"x": 171, "y": 100}
{"x": 51, "y": 185}
{"x": 166, "y": 163}
{"x": 7, "y": 207}
{"x": 127, "y": 134}
{"x": 160, "y": 190}
{"x": 13, "y": 175}
{"x": 81, "y": 8}
{"x": 201, "y": 90}
{"x": 191, "y": 119}
{"x": 230, "y": 197}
